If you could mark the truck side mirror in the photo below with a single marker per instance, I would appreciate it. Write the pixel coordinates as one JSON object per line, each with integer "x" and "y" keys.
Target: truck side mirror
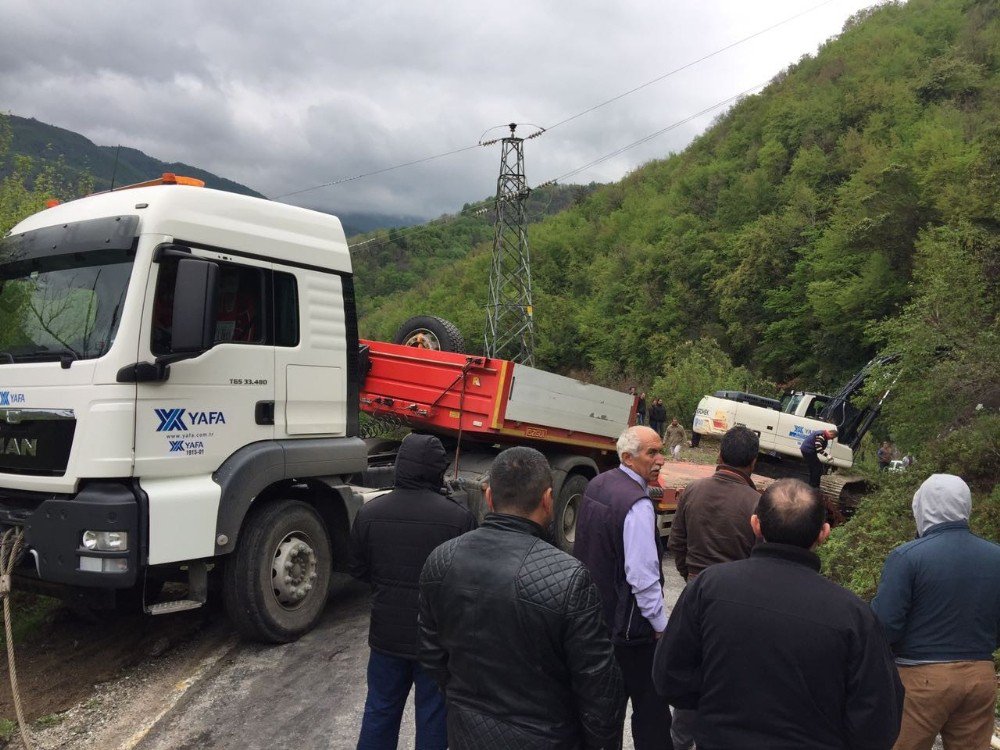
{"x": 194, "y": 306}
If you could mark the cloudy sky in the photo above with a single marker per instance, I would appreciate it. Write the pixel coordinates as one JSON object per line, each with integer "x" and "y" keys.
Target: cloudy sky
{"x": 284, "y": 96}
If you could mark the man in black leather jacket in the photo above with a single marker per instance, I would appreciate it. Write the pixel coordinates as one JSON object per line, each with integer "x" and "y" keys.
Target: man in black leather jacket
{"x": 511, "y": 627}
{"x": 390, "y": 541}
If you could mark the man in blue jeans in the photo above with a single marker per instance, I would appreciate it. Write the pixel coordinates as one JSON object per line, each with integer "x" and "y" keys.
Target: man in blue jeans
{"x": 391, "y": 539}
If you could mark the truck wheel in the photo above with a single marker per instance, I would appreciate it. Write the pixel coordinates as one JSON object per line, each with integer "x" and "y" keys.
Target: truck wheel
{"x": 430, "y": 332}
{"x": 567, "y": 510}
{"x": 276, "y": 582}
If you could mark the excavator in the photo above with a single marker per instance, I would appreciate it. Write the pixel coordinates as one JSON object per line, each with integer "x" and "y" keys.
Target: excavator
{"x": 783, "y": 424}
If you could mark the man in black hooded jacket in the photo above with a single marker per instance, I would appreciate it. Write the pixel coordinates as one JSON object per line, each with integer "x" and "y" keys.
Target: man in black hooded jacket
{"x": 390, "y": 541}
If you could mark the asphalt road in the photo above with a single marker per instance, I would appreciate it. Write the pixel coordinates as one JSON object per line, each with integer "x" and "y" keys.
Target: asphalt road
{"x": 307, "y": 694}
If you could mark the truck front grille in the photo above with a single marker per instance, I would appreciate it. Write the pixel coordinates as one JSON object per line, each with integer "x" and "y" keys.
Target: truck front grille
{"x": 36, "y": 441}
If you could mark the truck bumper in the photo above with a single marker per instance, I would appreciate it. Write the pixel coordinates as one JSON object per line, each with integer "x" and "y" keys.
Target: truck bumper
{"x": 53, "y": 535}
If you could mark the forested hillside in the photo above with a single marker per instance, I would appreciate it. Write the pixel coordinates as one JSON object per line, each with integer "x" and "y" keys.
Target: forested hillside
{"x": 72, "y": 157}
{"x": 851, "y": 207}
{"x": 389, "y": 262}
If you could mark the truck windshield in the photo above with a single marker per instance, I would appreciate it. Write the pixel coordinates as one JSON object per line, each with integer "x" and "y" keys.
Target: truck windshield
{"x": 62, "y": 306}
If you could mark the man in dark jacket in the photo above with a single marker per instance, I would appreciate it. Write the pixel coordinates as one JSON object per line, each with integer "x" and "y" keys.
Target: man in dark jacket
{"x": 814, "y": 444}
{"x": 939, "y": 604}
{"x": 390, "y": 541}
{"x": 617, "y": 539}
{"x": 511, "y": 627}
{"x": 711, "y": 526}
{"x": 712, "y": 522}
{"x": 774, "y": 655}
{"x": 657, "y": 416}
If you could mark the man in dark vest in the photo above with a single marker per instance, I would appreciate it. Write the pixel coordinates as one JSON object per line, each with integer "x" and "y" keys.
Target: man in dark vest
{"x": 617, "y": 539}
{"x": 390, "y": 541}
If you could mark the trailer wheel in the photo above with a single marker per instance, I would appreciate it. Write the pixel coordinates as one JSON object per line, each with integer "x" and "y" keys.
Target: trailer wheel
{"x": 277, "y": 581}
{"x": 430, "y": 332}
{"x": 568, "y": 509}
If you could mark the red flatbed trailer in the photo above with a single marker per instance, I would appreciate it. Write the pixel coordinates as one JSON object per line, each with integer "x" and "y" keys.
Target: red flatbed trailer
{"x": 492, "y": 401}
{"x": 484, "y": 402}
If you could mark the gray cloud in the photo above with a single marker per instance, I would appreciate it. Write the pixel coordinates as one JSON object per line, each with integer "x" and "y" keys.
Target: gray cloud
{"x": 285, "y": 96}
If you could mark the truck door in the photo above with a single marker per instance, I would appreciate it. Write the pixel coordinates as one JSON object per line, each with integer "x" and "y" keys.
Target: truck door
{"x": 207, "y": 408}
{"x": 311, "y": 353}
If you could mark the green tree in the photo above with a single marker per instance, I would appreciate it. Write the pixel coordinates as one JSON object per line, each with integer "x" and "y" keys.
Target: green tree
{"x": 26, "y": 190}
{"x": 698, "y": 368}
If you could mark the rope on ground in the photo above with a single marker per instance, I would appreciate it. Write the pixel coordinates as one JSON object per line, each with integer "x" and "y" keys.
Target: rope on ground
{"x": 10, "y": 551}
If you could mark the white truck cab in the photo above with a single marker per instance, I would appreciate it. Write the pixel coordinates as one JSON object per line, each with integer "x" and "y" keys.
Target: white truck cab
{"x": 170, "y": 356}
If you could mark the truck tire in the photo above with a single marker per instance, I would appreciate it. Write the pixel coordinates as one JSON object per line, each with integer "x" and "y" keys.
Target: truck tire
{"x": 567, "y": 509}
{"x": 430, "y": 332}
{"x": 276, "y": 582}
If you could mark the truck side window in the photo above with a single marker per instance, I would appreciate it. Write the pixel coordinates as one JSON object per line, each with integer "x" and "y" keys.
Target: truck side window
{"x": 240, "y": 301}
{"x": 286, "y": 310}
{"x": 242, "y": 308}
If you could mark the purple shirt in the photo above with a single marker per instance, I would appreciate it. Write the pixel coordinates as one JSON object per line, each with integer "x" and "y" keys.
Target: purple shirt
{"x": 642, "y": 564}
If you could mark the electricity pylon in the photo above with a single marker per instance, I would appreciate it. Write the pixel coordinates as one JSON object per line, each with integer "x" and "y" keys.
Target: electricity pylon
{"x": 510, "y": 329}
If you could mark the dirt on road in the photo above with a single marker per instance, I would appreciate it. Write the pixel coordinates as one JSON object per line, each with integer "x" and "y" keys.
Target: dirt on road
{"x": 68, "y": 661}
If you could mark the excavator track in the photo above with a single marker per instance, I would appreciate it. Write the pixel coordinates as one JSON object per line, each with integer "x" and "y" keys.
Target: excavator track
{"x": 843, "y": 494}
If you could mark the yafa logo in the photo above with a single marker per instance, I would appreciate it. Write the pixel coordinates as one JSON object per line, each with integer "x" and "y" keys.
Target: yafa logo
{"x": 170, "y": 419}
{"x": 207, "y": 417}
{"x": 9, "y": 397}
{"x": 799, "y": 432}
{"x": 176, "y": 446}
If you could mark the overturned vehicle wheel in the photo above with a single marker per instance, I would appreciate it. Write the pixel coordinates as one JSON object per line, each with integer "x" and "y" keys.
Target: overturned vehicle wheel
{"x": 430, "y": 332}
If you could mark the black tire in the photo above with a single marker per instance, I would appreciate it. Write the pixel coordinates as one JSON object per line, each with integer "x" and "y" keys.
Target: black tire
{"x": 262, "y": 606}
{"x": 430, "y": 332}
{"x": 567, "y": 509}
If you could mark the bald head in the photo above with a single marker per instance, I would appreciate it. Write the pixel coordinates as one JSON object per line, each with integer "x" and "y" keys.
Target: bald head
{"x": 792, "y": 512}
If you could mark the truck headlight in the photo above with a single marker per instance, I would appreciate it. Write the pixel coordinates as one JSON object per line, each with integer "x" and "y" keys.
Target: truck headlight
{"x": 106, "y": 541}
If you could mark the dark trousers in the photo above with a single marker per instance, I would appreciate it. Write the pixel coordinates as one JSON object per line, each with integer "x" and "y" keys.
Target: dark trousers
{"x": 815, "y": 468}
{"x": 650, "y": 712}
{"x": 389, "y": 682}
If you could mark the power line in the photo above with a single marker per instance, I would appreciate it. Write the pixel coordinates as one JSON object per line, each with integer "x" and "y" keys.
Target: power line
{"x": 405, "y": 231}
{"x": 384, "y": 235}
{"x": 688, "y": 65}
{"x": 543, "y": 130}
{"x": 651, "y": 136}
{"x": 379, "y": 171}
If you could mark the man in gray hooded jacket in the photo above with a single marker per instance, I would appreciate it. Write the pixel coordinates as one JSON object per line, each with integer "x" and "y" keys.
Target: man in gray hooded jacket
{"x": 939, "y": 606}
